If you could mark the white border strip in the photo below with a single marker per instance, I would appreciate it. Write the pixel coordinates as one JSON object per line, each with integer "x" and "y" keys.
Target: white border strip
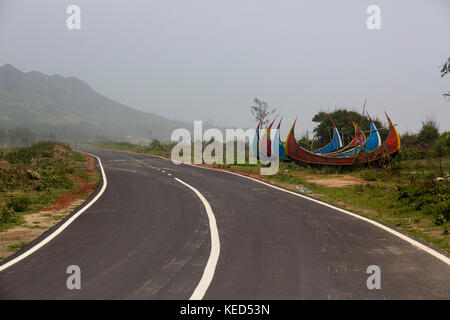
{"x": 413, "y": 242}
{"x": 63, "y": 226}
{"x": 210, "y": 267}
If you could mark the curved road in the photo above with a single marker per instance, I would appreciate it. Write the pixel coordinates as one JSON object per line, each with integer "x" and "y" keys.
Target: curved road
{"x": 148, "y": 237}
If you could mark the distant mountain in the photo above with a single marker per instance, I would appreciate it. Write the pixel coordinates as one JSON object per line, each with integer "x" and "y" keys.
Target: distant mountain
{"x": 69, "y": 109}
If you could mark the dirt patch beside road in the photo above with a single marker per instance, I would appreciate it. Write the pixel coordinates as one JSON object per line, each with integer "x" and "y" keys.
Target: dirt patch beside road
{"x": 37, "y": 223}
{"x": 337, "y": 182}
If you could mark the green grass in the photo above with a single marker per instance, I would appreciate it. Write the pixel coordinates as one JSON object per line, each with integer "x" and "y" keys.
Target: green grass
{"x": 156, "y": 148}
{"x": 381, "y": 201}
{"x": 16, "y": 246}
{"x": 35, "y": 177}
{"x": 377, "y": 197}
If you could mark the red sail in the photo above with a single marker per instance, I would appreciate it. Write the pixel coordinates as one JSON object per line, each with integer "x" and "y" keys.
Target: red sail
{"x": 389, "y": 147}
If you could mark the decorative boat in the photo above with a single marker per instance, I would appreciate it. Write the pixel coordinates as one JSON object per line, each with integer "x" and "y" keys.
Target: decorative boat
{"x": 359, "y": 155}
{"x": 335, "y": 143}
{"x": 281, "y": 150}
{"x": 372, "y": 142}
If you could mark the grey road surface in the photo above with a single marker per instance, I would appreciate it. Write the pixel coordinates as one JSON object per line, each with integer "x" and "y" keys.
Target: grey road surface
{"x": 148, "y": 237}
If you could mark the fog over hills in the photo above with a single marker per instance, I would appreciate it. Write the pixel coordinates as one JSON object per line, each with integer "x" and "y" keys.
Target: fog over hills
{"x": 71, "y": 110}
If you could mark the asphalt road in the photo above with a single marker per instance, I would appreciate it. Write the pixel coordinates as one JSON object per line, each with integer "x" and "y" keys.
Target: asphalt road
{"x": 148, "y": 237}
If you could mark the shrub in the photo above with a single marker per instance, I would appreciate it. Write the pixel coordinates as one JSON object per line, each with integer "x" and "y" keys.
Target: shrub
{"x": 429, "y": 133}
{"x": 442, "y": 146}
{"x": 430, "y": 196}
{"x": 369, "y": 174}
{"x": 26, "y": 154}
{"x": 18, "y": 203}
{"x": 7, "y": 215}
{"x": 372, "y": 174}
{"x": 409, "y": 139}
{"x": 413, "y": 153}
{"x": 62, "y": 169}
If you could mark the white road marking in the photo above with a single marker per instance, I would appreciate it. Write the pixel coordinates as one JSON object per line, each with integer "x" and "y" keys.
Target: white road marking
{"x": 210, "y": 267}
{"x": 413, "y": 242}
{"x": 63, "y": 226}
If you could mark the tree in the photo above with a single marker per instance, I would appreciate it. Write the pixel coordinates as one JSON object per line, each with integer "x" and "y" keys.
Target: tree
{"x": 442, "y": 146}
{"x": 261, "y": 111}
{"x": 3, "y": 137}
{"x": 323, "y": 130}
{"x": 304, "y": 142}
{"x": 409, "y": 139}
{"x": 429, "y": 133}
{"x": 446, "y": 70}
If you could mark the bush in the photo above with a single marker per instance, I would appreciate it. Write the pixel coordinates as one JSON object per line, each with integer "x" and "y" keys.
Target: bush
{"x": 7, "y": 215}
{"x": 429, "y": 133}
{"x": 26, "y": 154}
{"x": 442, "y": 146}
{"x": 372, "y": 174}
{"x": 13, "y": 178}
{"x": 413, "y": 153}
{"x": 430, "y": 196}
{"x": 409, "y": 139}
{"x": 18, "y": 203}
{"x": 369, "y": 175}
{"x": 62, "y": 169}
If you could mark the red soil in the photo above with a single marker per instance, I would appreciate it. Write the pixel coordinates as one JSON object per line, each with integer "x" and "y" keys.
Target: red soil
{"x": 67, "y": 199}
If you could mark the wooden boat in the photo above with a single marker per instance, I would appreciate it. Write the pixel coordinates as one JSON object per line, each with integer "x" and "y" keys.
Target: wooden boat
{"x": 358, "y": 139}
{"x": 281, "y": 150}
{"x": 266, "y": 148}
{"x": 334, "y": 144}
{"x": 389, "y": 148}
{"x": 371, "y": 144}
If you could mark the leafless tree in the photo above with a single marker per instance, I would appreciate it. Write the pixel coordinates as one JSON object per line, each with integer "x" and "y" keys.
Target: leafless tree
{"x": 446, "y": 70}
{"x": 260, "y": 111}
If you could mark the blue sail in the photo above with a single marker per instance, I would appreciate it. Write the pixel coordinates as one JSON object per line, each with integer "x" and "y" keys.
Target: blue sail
{"x": 281, "y": 152}
{"x": 372, "y": 142}
{"x": 335, "y": 144}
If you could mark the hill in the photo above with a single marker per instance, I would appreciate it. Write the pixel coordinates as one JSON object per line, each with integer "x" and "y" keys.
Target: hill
{"x": 70, "y": 109}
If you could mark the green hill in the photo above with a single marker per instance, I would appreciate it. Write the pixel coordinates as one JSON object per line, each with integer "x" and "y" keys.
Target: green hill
{"x": 71, "y": 110}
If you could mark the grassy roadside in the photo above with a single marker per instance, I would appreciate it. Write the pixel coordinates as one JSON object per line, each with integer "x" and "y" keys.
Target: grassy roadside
{"x": 40, "y": 185}
{"x": 406, "y": 198}
{"x": 155, "y": 148}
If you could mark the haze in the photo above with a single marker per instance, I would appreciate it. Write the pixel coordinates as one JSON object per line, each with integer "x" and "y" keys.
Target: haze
{"x": 207, "y": 60}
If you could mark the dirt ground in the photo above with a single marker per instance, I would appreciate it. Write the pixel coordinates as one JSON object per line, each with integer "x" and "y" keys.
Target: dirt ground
{"x": 37, "y": 223}
{"x": 336, "y": 182}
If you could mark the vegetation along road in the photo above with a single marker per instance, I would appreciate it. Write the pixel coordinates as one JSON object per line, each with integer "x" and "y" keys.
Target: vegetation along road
{"x": 164, "y": 231}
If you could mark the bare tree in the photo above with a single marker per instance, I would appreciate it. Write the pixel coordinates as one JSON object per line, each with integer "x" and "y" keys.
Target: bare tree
{"x": 260, "y": 111}
{"x": 446, "y": 70}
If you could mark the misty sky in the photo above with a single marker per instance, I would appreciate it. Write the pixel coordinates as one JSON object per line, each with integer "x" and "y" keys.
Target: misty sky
{"x": 208, "y": 59}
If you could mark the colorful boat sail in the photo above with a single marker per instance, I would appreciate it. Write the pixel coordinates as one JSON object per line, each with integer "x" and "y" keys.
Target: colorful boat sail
{"x": 389, "y": 148}
{"x": 358, "y": 139}
{"x": 281, "y": 152}
{"x": 372, "y": 143}
{"x": 335, "y": 143}
{"x": 266, "y": 148}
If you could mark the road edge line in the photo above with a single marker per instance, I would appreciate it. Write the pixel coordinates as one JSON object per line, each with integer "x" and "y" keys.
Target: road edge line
{"x": 402, "y": 236}
{"x": 61, "y": 228}
{"x": 208, "y": 272}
